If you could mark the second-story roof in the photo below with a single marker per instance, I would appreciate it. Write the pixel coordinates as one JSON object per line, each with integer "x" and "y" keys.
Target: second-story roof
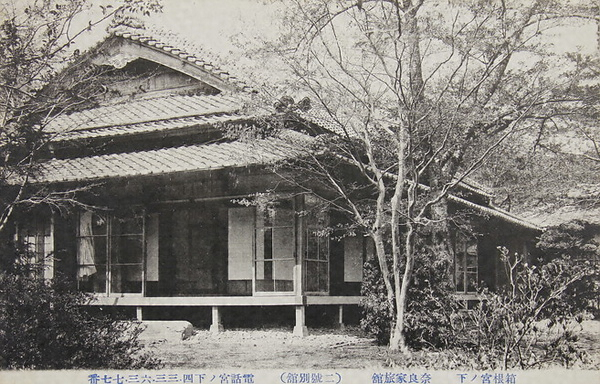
{"x": 143, "y": 111}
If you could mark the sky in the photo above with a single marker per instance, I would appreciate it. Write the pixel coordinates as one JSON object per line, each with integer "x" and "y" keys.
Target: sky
{"x": 220, "y": 23}
{"x": 228, "y": 27}
{"x": 231, "y": 28}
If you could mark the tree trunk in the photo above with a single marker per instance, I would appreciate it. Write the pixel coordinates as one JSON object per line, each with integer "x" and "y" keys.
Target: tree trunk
{"x": 381, "y": 258}
{"x": 440, "y": 241}
{"x": 397, "y": 339}
{"x": 440, "y": 234}
{"x": 396, "y": 333}
{"x": 401, "y": 283}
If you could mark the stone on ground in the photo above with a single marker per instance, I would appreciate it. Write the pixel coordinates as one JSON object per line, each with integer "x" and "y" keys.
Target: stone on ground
{"x": 173, "y": 330}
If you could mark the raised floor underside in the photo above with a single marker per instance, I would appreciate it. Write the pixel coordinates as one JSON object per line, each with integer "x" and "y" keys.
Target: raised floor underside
{"x": 217, "y": 303}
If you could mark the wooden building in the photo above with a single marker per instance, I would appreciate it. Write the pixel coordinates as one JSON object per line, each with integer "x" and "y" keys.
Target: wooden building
{"x": 170, "y": 226}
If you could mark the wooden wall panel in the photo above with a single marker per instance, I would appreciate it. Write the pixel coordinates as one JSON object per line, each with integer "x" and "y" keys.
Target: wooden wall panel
{"x": 353, "y": 259}
{"x": 240, "y": 243}
{"x": 152, "y": 248}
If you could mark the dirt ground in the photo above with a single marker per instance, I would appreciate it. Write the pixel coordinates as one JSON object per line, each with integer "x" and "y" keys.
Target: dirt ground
{"x": 589, "y": 340}
{"x": 273, "y": 348}
{"x": 277, "y": 348}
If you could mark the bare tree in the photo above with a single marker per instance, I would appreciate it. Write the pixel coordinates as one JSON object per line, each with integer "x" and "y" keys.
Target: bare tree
{"x": 419, "y": 94}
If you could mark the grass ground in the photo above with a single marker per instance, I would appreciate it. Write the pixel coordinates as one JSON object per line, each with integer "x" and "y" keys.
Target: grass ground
{"x": 322, "y": 349}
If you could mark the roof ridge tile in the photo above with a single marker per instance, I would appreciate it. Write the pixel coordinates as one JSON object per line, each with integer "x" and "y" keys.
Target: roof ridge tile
{"x": 187, "y": 50}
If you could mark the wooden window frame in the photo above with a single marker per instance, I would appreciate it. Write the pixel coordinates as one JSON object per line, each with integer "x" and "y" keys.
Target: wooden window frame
{"x": 109, "y": 241}
{"x": 320, "y": 261}
{"x": 462, "y": 244}
{"x": 259, "y": 215}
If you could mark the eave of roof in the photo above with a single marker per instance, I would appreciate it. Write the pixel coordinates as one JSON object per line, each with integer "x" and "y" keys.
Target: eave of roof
{"x": 322, "y": 119}
{"x": 204, "y": 157}
{"x": 496, "y": 212}
{"x": 192, "y": 158}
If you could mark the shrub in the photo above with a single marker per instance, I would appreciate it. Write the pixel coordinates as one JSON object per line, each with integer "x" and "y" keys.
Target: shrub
{"x": 574, "y": 242}
{"x": 527, "y": 323}
{"x": 430, "y": 304}
{"x": 43, "y": 325}
{"x": 377, "y": 314}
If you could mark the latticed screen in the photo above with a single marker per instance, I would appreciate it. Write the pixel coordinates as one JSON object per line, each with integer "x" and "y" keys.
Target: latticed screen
{"x": 274, "y": 261}
{"x": 110, "y": 253}
{"x": 465, "y": 264}
{"x": 316, "y": 239}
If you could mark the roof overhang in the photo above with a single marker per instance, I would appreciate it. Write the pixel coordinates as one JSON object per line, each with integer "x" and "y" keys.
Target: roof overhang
{"x": 165, "y": 161}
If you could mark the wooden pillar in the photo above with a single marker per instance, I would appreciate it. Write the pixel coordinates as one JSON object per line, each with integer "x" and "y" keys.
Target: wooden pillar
{"x": 300, "y": 327}
{"x": 298, "y": 267}
{"x": 216, "y": 325}
{"x": 139, "y": 313}
{"x": 48, "y": 253}
{"x": 340, "y": 316}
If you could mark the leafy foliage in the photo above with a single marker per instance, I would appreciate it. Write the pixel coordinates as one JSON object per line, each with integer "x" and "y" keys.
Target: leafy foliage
{"x": 519, "y": 325}
{"x": 43, "y": 325}
{"x": 430, "y": 304}
{"x": 575, "y": 243}
{"x": 377, "y": 314}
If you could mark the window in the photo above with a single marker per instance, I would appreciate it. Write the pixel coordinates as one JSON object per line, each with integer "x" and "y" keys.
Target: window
{"x": 275, "y": 242}
{"x": 110, "y": 253}
{"x": 316, "y": 257}
{"x": 38, "y": 241}
{"x": 465, "y": 264}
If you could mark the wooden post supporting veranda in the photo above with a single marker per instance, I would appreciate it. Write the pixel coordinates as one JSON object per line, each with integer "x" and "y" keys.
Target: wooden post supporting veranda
{"x": 139, "y": 313}
{"x": 300, "y": 328}
{"x": 217, "y": 325}
{"x": 340, "y": 316}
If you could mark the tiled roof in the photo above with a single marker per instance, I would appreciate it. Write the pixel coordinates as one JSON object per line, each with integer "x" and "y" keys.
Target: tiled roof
{"x": 323, "y": 119}
{"x": 199, "y": 157}
{"x": 162, "y": 126}
{"x": 474, "y": 186}
{"x": 496, "y": 212}
{"x": 176, "y": 45}
{"x": 551, "y": 216}
{"x": 143, "y": 111}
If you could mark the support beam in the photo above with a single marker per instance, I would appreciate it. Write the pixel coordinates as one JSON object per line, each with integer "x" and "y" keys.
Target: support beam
{"x": 139, "y": 313}
{"x": 217, "y": 325}
{"x": 202, "y": 301}
{"x": 300, "y": 329}
{"x": 340, "y": 317}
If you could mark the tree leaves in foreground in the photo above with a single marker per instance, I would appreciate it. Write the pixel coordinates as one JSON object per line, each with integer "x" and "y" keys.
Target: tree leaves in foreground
{"x": 531, "y": 323}
{"x": 45, "y": 325}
